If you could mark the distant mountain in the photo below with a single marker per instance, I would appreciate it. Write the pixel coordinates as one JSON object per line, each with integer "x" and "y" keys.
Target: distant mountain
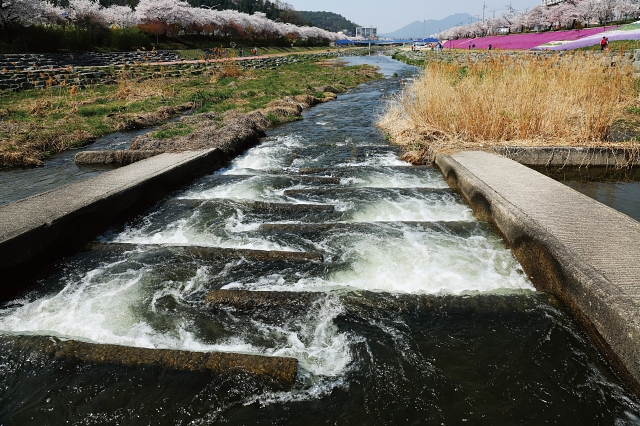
{"x": 420, "y": 29}
{"x": 329, "y": 21}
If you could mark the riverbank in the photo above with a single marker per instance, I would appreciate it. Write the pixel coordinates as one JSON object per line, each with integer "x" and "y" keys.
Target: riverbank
{"x": 486, "y": 101}
{"x": 37, "y": 123}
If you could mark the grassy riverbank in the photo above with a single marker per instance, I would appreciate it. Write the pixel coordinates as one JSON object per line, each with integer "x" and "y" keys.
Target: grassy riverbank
{"x": 527, "y": 100}
{"x": 37, "y": 123}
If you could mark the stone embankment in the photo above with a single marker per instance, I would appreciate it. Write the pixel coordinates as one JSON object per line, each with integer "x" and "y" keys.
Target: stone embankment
{"x": 20, "y": 72}
{"x": 571, "y": 156}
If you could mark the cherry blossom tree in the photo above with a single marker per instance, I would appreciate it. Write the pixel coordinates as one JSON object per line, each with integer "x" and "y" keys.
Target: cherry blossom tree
{"x": 121, "y": 16}
{"x": 85, "y": 13}
{"x": 27, "y": 12}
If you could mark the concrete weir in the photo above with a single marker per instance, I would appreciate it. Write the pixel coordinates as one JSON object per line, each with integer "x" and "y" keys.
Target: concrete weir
{"x": 275, "y": 372}
{"x": 47, "y": 226}
{"x": 583, "y": 252}
{"x": 200, "y": 252}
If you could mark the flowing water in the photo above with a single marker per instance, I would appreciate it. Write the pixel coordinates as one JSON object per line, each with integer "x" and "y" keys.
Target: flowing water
{"x": 423, "y": 315}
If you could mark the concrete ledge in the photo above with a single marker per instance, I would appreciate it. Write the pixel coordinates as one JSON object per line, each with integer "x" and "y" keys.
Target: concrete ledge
{"x": 201, "y": 252}
{"x": 48, "y": 226}
{"x": 275, "y": 372}
{"x": 583, "y": 252}
{"x": 122, "y": 157}
{"x": 571, "y": 156}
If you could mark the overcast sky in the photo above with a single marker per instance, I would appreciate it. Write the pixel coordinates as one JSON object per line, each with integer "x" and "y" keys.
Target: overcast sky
{"x": 391, "y": 15}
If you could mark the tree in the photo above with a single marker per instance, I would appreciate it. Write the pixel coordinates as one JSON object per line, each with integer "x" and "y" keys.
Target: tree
{"x": 627, "y": 9}
{"x": 86, "y": 13}
{"x": 121, "y": 16}
{"x": 27, "y": 12}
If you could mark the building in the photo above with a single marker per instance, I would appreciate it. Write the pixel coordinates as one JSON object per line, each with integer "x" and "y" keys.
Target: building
{"x": 551, "y": 2}
{"x": 367, "y": 32}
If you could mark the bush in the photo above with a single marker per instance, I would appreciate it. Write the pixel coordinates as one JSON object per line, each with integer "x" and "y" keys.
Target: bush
{"x": 129, "y": 39}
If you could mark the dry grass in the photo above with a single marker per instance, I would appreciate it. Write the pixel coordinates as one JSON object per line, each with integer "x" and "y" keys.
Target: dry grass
{"x": 37, "y": 124}
{"x": 521, "y": 100}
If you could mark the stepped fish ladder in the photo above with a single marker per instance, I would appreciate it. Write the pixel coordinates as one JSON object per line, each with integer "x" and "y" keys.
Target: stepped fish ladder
{"x": 398, "y": 305}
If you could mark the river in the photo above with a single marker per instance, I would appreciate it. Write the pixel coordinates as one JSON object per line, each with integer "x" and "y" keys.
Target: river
{"x": 423, "y": 315}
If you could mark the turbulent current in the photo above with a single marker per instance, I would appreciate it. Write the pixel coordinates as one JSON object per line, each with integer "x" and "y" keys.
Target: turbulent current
{"x": 423, "y": 315}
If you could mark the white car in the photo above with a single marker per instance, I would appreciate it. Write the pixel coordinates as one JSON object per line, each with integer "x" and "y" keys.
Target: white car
{"x": 422, "y": 46}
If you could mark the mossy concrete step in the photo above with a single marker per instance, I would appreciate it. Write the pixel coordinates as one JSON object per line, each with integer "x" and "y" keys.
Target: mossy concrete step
{"x": 352, "y": 170}
{"x": 462, "y": 228}
{"x": 200, "y": 252}
{"x": 278, "y": 373}
{"x": 358, "y": 303}
{"x": 407, "y": 192}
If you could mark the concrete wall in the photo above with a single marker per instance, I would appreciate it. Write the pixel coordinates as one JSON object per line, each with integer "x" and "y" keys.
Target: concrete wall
{"x": 583, "y": 252}
{"x": 43, "y": 228}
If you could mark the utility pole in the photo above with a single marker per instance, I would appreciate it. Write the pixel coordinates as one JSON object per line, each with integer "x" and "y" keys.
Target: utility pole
{"x": 484, "y": 6}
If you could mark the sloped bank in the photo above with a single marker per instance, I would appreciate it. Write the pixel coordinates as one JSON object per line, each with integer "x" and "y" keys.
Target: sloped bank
{"x": 231, "y": 132}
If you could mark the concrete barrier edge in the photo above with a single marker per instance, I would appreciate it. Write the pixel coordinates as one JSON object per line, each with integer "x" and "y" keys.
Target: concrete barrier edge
{"x": 29, "y": 246}
{"x": 608, "y": 317}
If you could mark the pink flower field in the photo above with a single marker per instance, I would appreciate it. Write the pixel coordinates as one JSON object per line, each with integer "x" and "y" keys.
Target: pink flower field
{"x": 522, "y": 41}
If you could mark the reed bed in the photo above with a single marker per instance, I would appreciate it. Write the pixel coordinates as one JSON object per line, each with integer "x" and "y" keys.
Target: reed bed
{"x": 564, "y": 100}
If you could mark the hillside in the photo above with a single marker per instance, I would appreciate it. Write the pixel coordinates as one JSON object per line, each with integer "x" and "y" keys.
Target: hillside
{"x": 329, "y": 21}
{"x": 421, "y": 29}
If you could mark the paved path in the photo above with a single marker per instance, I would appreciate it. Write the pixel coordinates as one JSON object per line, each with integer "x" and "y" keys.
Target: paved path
{"x": 569, "y": 244}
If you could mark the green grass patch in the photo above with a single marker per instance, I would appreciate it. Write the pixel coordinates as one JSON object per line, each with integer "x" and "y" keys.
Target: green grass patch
{"x": 169, "y": 131}
{"x": 616, "y": 45}
{"x": 50, "y": 115}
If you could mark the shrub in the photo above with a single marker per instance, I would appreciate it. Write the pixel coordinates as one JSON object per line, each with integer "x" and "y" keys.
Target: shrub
{"x": 129, "y": 39}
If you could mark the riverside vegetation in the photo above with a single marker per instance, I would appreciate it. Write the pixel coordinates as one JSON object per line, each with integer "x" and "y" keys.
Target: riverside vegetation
{"x": 35, "y": 124}
{"x": 514, "y": 99}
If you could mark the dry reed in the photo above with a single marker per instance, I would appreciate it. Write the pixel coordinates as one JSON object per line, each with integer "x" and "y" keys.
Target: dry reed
{"x": 525, "y": 100}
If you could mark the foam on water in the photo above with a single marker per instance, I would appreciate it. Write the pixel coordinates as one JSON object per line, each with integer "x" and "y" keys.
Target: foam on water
{"x": 270, "y": 154}
{"x": 103, "y": 307}
{"x": 395, "y": 179}
{"x": 425, "y": 208}
{"x": 418, "y": 262}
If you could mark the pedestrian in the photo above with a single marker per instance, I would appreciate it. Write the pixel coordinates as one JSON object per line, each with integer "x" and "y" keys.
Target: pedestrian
{"x": 490, "y": 46}
{"x": 603, "y": 43}
{"x": 606, "y": 44}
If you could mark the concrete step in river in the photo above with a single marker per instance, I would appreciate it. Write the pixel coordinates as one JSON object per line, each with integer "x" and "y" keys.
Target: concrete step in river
{"x": 398, "y": 306}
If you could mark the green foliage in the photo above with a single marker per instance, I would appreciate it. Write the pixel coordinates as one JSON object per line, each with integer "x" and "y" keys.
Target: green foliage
{"x": 171, "y": 130}
{"x": 129, "y": 39}
{"x": 54, "y": 38}
{"x": 273, "y": 118}
{"x": 329, "y": 21}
